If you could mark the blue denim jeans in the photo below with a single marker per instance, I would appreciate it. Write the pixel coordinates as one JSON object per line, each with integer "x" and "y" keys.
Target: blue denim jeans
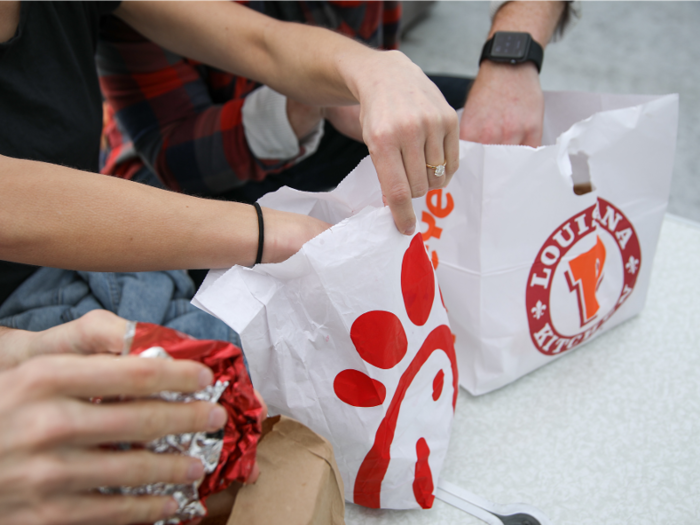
{"x": 51, "y": 297}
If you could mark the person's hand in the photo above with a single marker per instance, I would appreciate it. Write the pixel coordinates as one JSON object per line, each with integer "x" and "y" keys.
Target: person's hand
{"x": 505, "y": 106}
{"x": 406, "y": 123}
{"x": 345, "y": 119}
{"x": 285, "y": 233}
{"x": 302, "y": 117}
{"x": 97, "y": 332}
{"x": 50, "y": 462}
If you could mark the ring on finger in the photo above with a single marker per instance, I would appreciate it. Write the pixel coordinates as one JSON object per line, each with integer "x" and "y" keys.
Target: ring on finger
{"x": 439, "y": 169}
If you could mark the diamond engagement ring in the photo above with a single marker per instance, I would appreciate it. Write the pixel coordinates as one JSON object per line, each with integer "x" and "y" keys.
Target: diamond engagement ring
{"x": 439, "y": 169}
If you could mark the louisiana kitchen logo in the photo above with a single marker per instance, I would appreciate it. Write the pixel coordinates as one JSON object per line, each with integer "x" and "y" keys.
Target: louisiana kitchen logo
{"x": 582, "y": 274}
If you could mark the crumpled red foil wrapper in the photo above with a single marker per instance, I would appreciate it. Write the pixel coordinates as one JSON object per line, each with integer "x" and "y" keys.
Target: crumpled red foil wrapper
{"x": 243, "y": 427}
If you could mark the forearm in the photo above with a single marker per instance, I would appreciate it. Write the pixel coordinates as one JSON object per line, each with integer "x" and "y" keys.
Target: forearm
{"x": 65, "y": 218}
{"x": 303, "y": 62}
{"x": 540, "y": 19}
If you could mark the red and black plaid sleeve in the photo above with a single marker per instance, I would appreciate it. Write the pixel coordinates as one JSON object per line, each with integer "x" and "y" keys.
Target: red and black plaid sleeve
{"x": 184, "y": 119}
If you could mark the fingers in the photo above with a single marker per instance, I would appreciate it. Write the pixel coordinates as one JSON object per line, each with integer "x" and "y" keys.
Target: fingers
{"x": 451, "y": 148}
{"x": 82, "y": 423}
{"x": 443, "y": 152}
{"x": 107, "y": 376}
{"x": 401, "y": 152}
{"x": 98, "y": 331}
{"x": 395, "y": 187}
{"x": 105, "y": 510}
{"x": 79, "y": 470}
{"x": 434, "y": 156}
{"x": 419, "y": 176}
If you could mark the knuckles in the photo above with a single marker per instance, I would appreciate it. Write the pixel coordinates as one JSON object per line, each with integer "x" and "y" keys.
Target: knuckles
{"x": 156, "y": 419}
{"x": 147, "y": 374}
{"x": 380, "y": 139}
{"x": 94, "y": 326}
{"x": 419, "y": 188}
{"x": 36, "y": 376}
{"x": 46, "y": 475}
{"x": 153, "y": 423}
{"x": 451, "y": 120}
{"x": 411, "y": 128}
{"x": 398, "y": 195}
{"x": 143, "y": 467}
{"x": 52, "y": 423}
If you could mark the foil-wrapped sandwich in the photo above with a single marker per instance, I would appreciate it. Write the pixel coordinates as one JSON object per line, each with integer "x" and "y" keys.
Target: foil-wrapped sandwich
{"x": 227, "y": 455}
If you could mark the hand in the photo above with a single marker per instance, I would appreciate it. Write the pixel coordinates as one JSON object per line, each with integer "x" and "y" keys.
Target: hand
{"x": 49, "y": 434}
{"x": 97, "y": 332}
{"x": 302, "y": 117}
{"x": 406, "y": 124}
{"x": 505, "y": 106}
{"x": 286, "y": 233}
{"x": 345, "y": 119}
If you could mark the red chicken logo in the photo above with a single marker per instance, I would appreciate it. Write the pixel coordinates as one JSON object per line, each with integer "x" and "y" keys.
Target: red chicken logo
{"x": 380, "y": 340}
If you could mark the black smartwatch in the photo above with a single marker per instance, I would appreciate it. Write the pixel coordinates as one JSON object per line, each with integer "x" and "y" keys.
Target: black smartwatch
{"x": 512, "y": 48}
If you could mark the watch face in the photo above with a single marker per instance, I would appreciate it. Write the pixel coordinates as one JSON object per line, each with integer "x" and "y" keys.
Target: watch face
{"x": 509, "y": 45}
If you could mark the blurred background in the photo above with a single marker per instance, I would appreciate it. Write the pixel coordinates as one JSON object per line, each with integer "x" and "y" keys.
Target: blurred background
{"x": 645, "y": 48}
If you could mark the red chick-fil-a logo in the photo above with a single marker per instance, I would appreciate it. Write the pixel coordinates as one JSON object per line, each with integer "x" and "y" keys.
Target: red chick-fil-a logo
{"x": 583, "y": 274}
{"x": 380, "y": 339}
{"x": 439, "y": 209}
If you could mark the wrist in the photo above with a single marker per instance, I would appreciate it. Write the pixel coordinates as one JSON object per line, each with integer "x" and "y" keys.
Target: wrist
{"x": 512, "y": 48}
{"x": 365, "y": 73}
{"x": 539, "y": 19}
{"x": 495, "y": 69}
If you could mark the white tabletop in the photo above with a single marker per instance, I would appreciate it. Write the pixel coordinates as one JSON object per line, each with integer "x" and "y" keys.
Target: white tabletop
{"x": 607, "y": 435}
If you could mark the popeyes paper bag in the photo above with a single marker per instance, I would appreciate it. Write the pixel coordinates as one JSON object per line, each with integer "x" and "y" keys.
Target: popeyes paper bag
{"x": 531, "y": 270}
{"x": 350, "y": 337}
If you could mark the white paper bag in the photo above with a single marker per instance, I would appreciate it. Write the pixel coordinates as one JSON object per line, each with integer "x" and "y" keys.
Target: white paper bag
{"x": 350, "y": 337}
{"x": 529, "y": 269}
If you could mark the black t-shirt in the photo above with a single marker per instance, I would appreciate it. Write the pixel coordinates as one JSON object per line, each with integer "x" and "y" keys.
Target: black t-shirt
{"x": 50, "y": 102}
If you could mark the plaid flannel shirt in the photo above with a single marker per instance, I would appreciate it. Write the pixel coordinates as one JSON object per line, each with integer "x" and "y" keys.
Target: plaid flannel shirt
{"x": 183, "y": 119}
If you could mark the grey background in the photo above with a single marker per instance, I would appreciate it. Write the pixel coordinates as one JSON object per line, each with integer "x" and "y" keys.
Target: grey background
{"x": 643, "y": 48}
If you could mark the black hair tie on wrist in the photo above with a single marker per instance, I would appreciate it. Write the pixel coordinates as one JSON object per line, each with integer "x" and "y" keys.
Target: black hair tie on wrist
{"x": 261, "y": 232}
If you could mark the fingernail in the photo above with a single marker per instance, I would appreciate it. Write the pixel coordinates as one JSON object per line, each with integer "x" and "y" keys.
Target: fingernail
{"x": 170, "y": 508}
{"x": 205, "y": 378}
{"x": 217, "y": 418}
{"x": 195, "y": 471}
{"x": 410, "y": 230}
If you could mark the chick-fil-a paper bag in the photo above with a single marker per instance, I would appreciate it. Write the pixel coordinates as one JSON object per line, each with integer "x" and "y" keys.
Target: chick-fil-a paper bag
{"x": 350, "y": 337}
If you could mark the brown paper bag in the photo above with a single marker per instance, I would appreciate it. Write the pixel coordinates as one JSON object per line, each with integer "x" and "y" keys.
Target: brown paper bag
{"x": 299, "y": 481}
